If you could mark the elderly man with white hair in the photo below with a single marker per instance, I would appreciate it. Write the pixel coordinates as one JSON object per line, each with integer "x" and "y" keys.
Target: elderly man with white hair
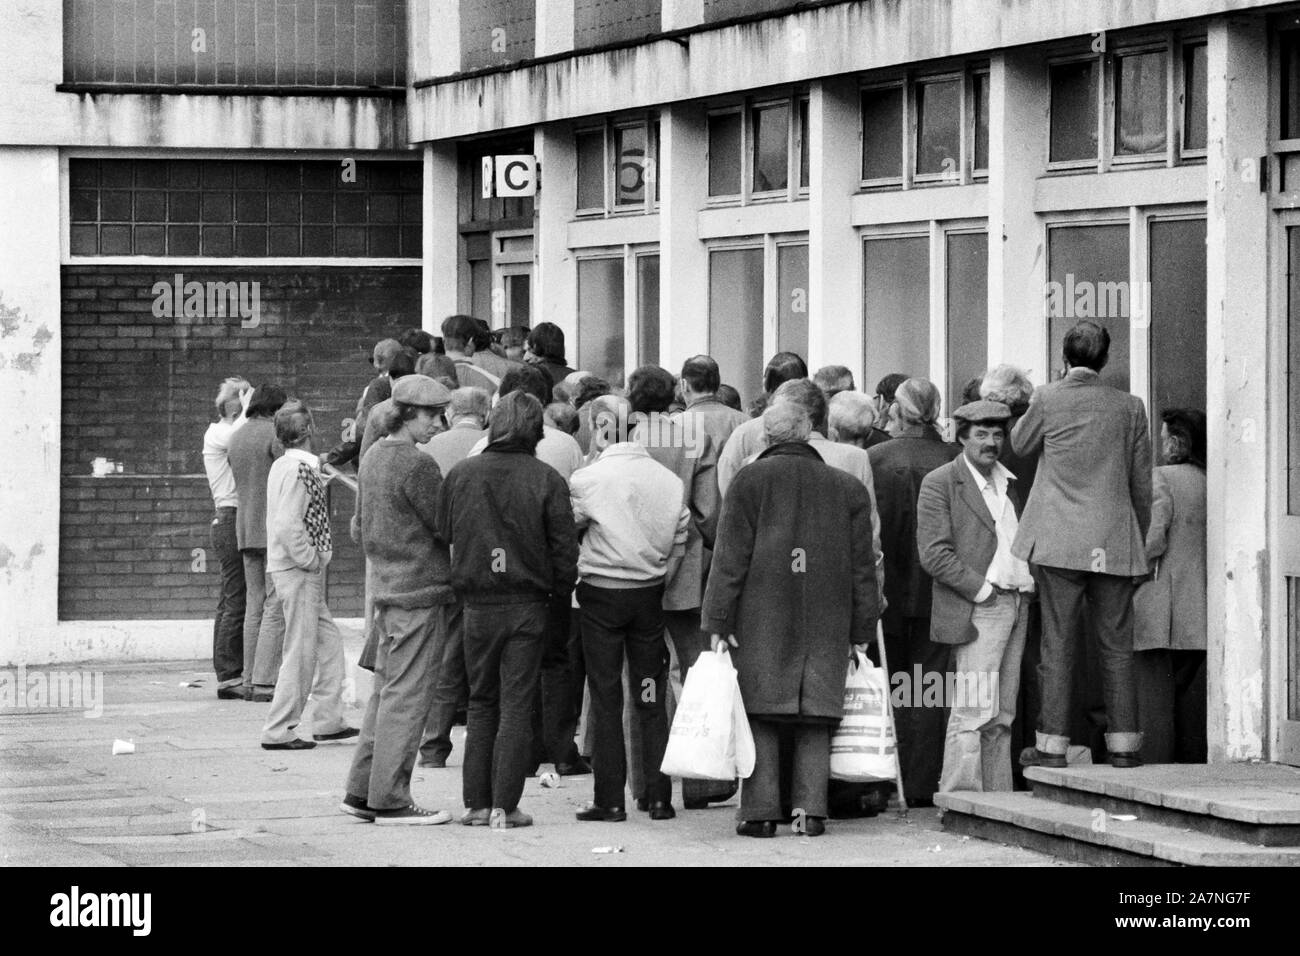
{"x": 228, "y": 628}
{"x": 793, "y": 589}
{"x": 851, "y": 419}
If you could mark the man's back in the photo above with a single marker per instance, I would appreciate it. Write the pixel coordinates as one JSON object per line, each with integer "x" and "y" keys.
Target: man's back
{"x": 1091, "y": 502}
{"x": 453, "y": 446}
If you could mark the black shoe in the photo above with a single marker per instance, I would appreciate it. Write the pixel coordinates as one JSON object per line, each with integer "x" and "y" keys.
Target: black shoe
{"x": 232, "y": 693}
{"x": 262, "y": 696}
{"x": 1130, "y": 759}
{"x": 702, "y": 803}
{"x": 575, "y": 769}
{"x": 595, "y": 814}
{"x": 756, "y": 828}
{"x": 661, "y": 810}
{"x": 347, "y": 733}
{"x": 296, "y": 744}
{"x": 813, "y": 826}
{"x": 643, "y": 804}
{"x": 1033, "y": 757}
{"x": 436, "y": 763}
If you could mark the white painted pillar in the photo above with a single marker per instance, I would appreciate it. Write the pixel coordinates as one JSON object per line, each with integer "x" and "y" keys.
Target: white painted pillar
{"x": 683, "y": 259}
{"x": 30, "y": 373}
{"x": 834, "y": 252}
{"x": 555, "y": 274}
{"x": 1237, "y": 391}
{"x": 441, "y": 239}
{"x": 1017, "y": 254}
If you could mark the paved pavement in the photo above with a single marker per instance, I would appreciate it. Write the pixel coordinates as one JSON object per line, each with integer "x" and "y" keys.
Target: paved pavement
{"x": 198, "y": 790}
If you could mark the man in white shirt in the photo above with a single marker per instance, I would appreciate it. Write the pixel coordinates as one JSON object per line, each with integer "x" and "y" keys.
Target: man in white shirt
{"x": 966, "y": 523}
{"x": 228, "y": 628}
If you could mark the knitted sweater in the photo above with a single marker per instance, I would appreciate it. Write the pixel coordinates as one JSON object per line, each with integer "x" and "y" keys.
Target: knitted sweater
{"x": 397, "y": 499}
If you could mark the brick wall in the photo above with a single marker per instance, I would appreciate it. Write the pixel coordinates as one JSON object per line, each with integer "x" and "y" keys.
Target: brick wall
{"x": 138, "y": 389}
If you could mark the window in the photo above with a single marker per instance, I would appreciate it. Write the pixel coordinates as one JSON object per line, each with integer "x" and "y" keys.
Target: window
{"x": 736, "y": 318}
{"x": 615, "y": 165}
{"x": 981, "y": 81}
{"x": 1114, "y": 107}
{"x": 591, "y": 170}
{"x": 1195, "y": 97}
{"x": 724, "y": 154}
{"x": 770, "y": 137}
{"x": 1176, "y": 263}
{"x": 967, "y": 305}
{"x": 1074, "y": 111}
{"x": 1140, "y": 120}
{"x": 618, "y": 310}
{"x": 882, "y": 134}
{"x": 246, "y": 209}
{"x": 792, "y": 299}
{"x": 805, "y": 147}
{"x": 647, "y": 308}
{"x": 925, "y": 130}
{"x": 1088, "y": 278}
{"x": 896, "y": 307}
{"x": 753, "y": 150}
{"x": 1290, "y": 44}
{"x": 938, "y": 127}
{"x": 600, "y": 317}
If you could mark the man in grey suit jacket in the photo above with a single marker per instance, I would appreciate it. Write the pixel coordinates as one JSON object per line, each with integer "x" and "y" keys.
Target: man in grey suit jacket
{"x": 1084, "y": 531}
{"x": 966, "y": 523}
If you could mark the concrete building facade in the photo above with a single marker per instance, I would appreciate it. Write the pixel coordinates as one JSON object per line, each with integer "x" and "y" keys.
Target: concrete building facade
{"x": 891, "y": 185}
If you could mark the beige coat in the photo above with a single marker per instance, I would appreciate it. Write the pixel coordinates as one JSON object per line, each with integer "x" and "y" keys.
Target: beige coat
{"x": 1169, "y": 610}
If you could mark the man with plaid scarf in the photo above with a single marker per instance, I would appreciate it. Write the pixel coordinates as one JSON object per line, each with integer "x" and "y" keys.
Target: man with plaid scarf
{"x": 298, "y": 550}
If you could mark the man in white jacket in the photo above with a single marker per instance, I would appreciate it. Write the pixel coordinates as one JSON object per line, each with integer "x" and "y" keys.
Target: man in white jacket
{"x": 298, "y": 550}
{"x": 635, "y": 524}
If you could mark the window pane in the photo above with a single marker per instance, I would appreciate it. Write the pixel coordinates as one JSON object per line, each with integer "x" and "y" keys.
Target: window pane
{"x": 519, "y": 290}
{"x": 882, "y": 134}
{"x": 805, "y": 148}
{"x": 480, "y": 292}
{"x": 1290, "y": 43}
{"x": 1088, "y": 278}
{"x": 630, "y": 148}
{"x": 600, "y": 318}
{"x": 590, "y": 171}
{"x": 967, "y": 284}
{"x": 792, "y": 299}
{"x": 896, "y": 307}
{"x": 1293, "y": 371}
{"x": 655, "y": 169}
{"x": 1140, "y": 123}
{"x": 981, "y": 121}
{"x": 1195, "y": 97}
{"x": 771, "y": 142}
{"x": 724, "y": 154}
{"x": 736, "y": 318}
{"x": 1177, "y": 310}
{"x": 938, "y": 128}
{"x": 647, "y": 309}
{"x": 1074, "y": 111}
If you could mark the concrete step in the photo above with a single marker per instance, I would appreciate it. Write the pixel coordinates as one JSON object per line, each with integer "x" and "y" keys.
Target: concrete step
{"x": 1257, "y": 804}
{"x": 1091, "y": 835}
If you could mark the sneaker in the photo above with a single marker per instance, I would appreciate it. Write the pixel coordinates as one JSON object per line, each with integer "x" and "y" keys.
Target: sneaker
{"x": 500, "y": 820}
{"x": 347, "y": 733}
{"x": 476, "y": 818}
{"x": 412, "y": 816}
{"x": 355, "y": 806}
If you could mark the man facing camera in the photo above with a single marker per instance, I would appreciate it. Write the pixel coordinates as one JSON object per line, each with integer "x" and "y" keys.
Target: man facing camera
{"x": 966, "y": 522}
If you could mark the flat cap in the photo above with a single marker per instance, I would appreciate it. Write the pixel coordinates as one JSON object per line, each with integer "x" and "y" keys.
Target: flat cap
{"x": 420, "y": 390}
{"x": 981, "y": 411}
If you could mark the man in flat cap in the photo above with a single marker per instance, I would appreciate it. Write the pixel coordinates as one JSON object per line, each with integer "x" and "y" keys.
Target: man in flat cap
{"x": 410, "y": 576}
{"x": 966, "y": 523}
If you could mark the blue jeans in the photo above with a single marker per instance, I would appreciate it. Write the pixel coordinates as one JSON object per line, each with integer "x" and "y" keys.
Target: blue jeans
{"x": 228, "y": 628}
{"x": 503, "y": 656}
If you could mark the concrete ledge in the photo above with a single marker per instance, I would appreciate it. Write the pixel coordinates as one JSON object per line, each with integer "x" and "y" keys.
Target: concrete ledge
{"x": 1083, "y": 826}
{"x": 1254, "y": 793}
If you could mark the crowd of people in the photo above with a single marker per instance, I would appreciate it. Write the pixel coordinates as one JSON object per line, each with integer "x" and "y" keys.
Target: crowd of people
{"x": 550, "y": 553}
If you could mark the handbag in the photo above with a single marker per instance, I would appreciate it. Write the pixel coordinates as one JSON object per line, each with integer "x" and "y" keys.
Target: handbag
{"x": 863, "y": 748}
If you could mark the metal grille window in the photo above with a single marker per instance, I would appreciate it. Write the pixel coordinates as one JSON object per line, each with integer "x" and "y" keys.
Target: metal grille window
{"x": 244, "y": 209}
{"x": 496, "y": 32}
{"x": 596, "y": 22}
{"x": 303, "y": 43}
